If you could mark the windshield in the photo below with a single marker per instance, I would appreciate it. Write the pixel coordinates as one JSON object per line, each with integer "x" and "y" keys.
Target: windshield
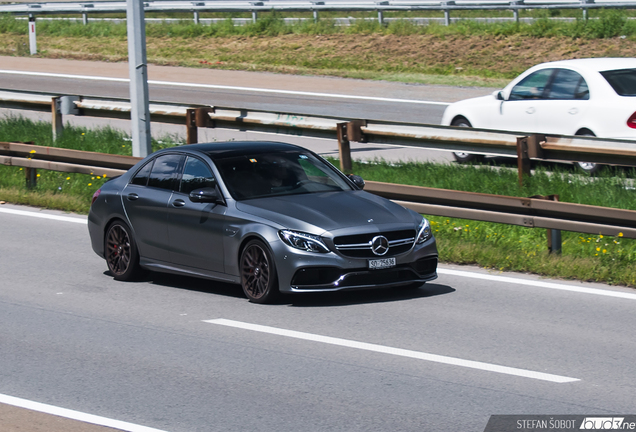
{"x": 623, "y": 81}
{"x": 280, "y": 173}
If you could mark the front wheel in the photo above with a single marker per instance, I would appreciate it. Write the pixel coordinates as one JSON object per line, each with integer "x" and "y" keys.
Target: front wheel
{"x": 463, "y": 157}
{"x": 258, "y": 273}
{"x": 121, "y": 252}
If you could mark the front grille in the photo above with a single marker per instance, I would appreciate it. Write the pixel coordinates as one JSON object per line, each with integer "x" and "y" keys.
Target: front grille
{"x": 359, "y": 245}
{"x": 329, "y": 278}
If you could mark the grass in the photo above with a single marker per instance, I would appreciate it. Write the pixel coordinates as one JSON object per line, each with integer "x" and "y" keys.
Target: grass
{"x": 496, "y": 246}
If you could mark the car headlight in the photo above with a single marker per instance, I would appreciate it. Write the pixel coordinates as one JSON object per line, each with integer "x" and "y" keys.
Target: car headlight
{"x": 423, "y": 231}
{"x": 303, "y": 241}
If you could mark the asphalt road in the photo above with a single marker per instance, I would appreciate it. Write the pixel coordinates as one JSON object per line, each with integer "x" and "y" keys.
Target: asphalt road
{"x": 180, "y": 354}
{"x": 333, "y": 97}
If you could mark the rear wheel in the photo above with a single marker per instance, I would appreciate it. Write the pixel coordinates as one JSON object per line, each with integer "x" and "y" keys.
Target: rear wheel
{"x": 588, "y": 167}
{"x": 121, "y": 252}
{"x": 463, "y": 157}
{"x": 258, "y": 273}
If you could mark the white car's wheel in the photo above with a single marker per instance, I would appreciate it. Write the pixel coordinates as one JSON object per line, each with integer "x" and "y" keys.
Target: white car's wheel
{"x": 463, "y": 157}
{"x": 588, "y": 167}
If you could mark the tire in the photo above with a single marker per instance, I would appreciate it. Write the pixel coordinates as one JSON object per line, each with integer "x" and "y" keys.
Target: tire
{"x": 588, "y": 167}
{"x": 259, "y": 279}
{"x": 120, "y": 251}
{"x": 462, "y": 157}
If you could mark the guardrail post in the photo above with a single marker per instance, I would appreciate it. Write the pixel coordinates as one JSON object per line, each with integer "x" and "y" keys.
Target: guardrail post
{"x": 585, "y": 9}
{"x": 554, "y": 235}
{"x": 33, "y": 45}
{"x": 344, "y": 149}
{"x": 201, "y": 117}
{"x": 515, "y": 11}
{"x": 447, "y": 19}
{"x": 191, "y": 127}
{"x": 57, "y": 122}
{"x": 84, "y": 18}
{"x": 380, "y": 17}
{"x": 31, "y": 177}
{"x": 196, "y": 17}
{"x": 523, "y": 159}
{"x": 315, "y": 11}
{"x": 254, "y": 16}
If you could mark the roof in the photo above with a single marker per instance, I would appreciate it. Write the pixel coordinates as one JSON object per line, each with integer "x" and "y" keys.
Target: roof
{"x": 596, "y": 64}
{"x": 221, "y": 150}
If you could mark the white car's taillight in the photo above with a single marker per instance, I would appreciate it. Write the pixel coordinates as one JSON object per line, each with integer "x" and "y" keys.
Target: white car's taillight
{"x": 631, "y": 121}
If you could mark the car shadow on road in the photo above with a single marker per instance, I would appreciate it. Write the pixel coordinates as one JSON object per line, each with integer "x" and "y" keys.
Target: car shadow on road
{"x": 355, "y": 297}
{"x": 188, "y": 283}
{"x": 337, "y": 298}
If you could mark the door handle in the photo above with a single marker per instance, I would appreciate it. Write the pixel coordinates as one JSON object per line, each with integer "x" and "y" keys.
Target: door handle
{"x": 530, "y": 110}
{"x": 132, "y": 196}
{"x": 178, "y": 203}
{"x": 573, "y": 111}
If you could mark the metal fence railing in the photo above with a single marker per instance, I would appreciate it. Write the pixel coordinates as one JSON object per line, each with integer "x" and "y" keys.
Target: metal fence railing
{"x": 312, "y": 6}
{"x": 534, "y": 212}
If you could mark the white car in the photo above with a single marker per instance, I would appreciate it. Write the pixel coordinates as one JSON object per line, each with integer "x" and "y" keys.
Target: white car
{"x": 589, "y": 97}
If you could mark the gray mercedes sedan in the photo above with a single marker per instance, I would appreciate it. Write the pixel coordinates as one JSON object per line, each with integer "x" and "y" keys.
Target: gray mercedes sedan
{"x": 272, "y": 217}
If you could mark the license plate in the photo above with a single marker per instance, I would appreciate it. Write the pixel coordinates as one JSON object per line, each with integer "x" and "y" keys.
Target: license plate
{"x": 381, "y": 263}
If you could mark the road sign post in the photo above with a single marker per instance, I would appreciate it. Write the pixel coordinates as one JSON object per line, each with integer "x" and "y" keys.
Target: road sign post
{"x": 138, "y": 70}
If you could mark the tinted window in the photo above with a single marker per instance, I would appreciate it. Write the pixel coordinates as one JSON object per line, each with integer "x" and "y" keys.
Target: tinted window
{"x": 164, "y": 171}
{"x": 196, "y": 175}
{"x": 623, "y": 81}
{"x": 280, "y": 173}
{"x": 568, "y": 84}
{"x": 141, "y": 178}
{"x": 532, "y": 86}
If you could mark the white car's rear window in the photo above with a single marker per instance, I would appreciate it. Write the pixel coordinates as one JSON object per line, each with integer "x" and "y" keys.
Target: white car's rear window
{"x": 623, "y": 81}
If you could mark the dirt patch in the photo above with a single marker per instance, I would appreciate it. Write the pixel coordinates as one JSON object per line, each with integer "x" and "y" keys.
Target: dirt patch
{"x": 341, "y": 54}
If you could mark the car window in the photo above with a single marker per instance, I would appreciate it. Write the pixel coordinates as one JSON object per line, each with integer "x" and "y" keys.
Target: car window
{"x": 280, "y": 173}
{"x": 196, "y": 175}
{"x": 532, "y": 86}
{"x": 568, "y": 84}
{"x": 623, "y": 81}
{"x": 164, "y": 171}
{"x": 141, "y": 178}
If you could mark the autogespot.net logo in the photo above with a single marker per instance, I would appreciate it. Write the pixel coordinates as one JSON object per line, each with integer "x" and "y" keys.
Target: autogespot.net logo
{"x": 606, "y": 423}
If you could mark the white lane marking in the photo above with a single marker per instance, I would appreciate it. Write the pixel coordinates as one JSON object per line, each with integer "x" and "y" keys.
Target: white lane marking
{"x": 394, "y": 351}
{"x": 222, "y": 87}
{"x": 75, "y": 415}
{"x": 44, "y": 216}
{"x": 540, "y": 284}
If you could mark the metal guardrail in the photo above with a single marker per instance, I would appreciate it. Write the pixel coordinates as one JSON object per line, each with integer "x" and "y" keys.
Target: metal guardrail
{"x": 448, "y": 138}
{"x": 314, "y": 6}
{"x": 533, "y": 212}
{"x": 529, "y": 212}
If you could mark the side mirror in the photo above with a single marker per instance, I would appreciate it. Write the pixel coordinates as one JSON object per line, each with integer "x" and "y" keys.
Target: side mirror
{"x": 357, "y": 180}
{"x": 500, "y": 96}
{"x": 204, "y": 195}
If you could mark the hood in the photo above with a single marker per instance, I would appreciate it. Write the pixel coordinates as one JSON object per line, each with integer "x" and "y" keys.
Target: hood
{"x": 319, "y": 212}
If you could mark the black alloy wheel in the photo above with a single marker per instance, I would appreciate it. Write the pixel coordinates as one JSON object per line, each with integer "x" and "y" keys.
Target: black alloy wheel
{"x": 121, "y": 251}
{"x": 463, "y": 157}
{"x": 258, "y": 273}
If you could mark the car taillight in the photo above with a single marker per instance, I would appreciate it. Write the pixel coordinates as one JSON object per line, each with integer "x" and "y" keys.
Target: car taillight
{"x": 631, "y": 121}
{"x": 95, "y": 195}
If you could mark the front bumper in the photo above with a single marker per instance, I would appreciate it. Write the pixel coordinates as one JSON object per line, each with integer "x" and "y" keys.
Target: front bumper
{"x": 300, "y": 271}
